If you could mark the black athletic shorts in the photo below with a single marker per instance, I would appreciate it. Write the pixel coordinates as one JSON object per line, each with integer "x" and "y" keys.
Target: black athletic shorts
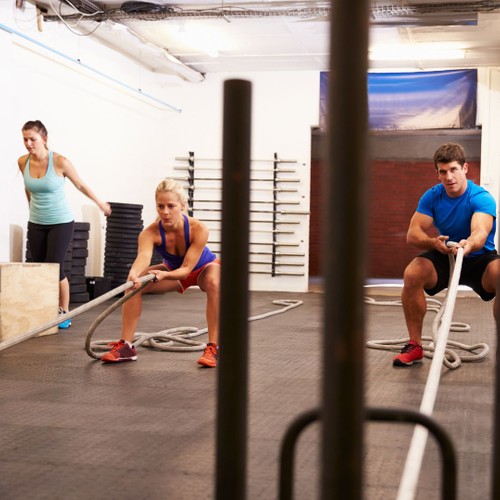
{"x": 472, "y": 271}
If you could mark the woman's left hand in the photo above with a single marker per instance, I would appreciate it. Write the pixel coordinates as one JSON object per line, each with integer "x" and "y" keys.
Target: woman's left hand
{"x": 160, "y": 275}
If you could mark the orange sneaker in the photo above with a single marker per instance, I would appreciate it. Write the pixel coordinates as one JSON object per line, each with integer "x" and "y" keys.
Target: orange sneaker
{"x": 120, "y": 351}
{"x": 209, "y": 356}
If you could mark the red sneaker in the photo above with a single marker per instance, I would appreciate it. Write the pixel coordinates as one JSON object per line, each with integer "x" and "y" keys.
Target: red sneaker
{"x": 209, "y": 356}
{"x": 120, "y": 351}
{"x": 411, "y": 353}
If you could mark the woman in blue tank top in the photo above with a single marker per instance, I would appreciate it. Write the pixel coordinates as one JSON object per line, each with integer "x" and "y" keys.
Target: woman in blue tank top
{"x": 50, "y": 224}
{"x": 182, "y": 242}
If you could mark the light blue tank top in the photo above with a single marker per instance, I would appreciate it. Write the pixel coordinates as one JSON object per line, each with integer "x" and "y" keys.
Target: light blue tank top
{"x": 48, "y": 203}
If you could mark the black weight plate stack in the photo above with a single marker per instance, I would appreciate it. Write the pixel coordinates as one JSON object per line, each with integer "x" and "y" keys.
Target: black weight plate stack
{"x": 122, "y": 230}
{"x": 79, "y": 253}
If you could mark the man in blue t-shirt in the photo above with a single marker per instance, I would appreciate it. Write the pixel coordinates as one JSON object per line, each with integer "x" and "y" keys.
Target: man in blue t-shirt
{"x": 465, "y": 214}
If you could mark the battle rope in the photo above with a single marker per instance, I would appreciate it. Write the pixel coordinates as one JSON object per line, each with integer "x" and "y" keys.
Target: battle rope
{"x": 451, "y": 358}
{"x": 411, "y": 472}
{"x": 169, "y": 340}
{"x": 79, "y": 310}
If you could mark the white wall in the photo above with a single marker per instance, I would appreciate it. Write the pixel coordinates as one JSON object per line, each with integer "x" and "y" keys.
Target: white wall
{"x": 489, "y": 85}
{"x": 123, "y": 143}
{"x": 96, "y": 123}
{"x": 281, "y": 123}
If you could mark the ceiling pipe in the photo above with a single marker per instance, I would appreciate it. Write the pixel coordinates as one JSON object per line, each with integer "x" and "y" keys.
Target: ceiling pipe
{"x": 171, "y": 65}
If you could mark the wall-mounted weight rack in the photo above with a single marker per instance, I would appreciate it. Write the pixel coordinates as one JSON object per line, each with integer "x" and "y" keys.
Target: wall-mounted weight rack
{"x": 275, "y": 245}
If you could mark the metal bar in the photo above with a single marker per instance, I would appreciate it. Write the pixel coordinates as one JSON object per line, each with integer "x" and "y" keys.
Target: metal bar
{"x": 214, "y": 242}
{"x": 256, "y": 221}
{"x": 280, "y": 160}
{"x": 217, "y": 168}
{"x": 282, "y": 254}
{"x": 344, "y": 253}
{"x": 279, "y": 254}
{"x": 254, "y": 188}
{"x": 397, "y": 415}
{"x": 281, "y": 212}
{"x": 278, "y": 263}
{"x": 232, "y": 399}
{"x": 276, "y": 273}
{"x": 285, "y": 179}
{"x": 274, "y": 202}
{"x": 266, "y": 231}
{"x": 448, "y": 456}
{"x": 212, "y": 169}
{"x": 287, "y": 452}
{"x": 275, "y": 231}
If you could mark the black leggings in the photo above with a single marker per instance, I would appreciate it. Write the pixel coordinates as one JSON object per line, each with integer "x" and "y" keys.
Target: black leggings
{"x": 49, "y": 243}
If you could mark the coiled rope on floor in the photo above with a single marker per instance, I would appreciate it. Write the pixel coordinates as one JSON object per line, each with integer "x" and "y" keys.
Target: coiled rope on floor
{"x": 172, "y": 339}
{"x": 451, "y": 359}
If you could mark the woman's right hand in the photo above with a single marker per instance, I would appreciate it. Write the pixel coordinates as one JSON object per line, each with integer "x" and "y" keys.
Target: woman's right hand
{"x": 106, "y": 208}
{"x": 132, "y": 276}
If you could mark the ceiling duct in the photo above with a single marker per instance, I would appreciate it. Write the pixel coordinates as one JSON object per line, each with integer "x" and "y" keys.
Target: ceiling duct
{"x": 421, "y": 13}
{"x": 152, "y": 12}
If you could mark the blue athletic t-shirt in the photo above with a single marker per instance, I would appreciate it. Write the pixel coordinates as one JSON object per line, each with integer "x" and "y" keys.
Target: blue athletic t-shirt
{"x": 452, "y": 216}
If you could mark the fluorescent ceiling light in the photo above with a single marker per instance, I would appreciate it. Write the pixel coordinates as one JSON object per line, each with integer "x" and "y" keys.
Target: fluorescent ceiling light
{"x": 426, "y": 52}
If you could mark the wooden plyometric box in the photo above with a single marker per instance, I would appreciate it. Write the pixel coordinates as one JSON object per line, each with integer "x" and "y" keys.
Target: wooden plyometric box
{"x": 29, "y": 297}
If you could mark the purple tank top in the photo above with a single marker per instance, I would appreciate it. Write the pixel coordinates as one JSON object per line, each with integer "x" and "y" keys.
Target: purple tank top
{"x": 175, "y": 261}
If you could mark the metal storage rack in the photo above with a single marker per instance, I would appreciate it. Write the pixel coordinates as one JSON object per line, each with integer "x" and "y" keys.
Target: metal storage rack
{"x": 275, "y": 249}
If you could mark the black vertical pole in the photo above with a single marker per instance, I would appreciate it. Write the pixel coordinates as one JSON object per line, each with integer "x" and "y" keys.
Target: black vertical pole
{"x": 344, "y": 255}
{"x": 233, "y": 363}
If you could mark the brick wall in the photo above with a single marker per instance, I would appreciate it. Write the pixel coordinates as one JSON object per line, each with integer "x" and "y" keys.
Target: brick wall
{"x": 394, "y": 190}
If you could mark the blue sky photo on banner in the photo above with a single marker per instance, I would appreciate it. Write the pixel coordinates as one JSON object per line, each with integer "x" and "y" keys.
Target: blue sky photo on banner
{"x": 416, "y": 101}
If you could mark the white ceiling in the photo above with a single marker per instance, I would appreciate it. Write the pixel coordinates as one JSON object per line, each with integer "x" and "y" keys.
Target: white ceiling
{"x": 190, "y": 40}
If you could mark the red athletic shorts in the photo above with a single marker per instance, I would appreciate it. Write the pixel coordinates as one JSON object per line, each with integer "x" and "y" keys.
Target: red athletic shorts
{"x": 192, "y": 279}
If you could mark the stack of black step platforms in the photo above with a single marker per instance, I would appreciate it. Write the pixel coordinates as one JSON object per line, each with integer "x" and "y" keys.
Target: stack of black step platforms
{"x": 79, "y": 253}
{"x": 122, "y": 230}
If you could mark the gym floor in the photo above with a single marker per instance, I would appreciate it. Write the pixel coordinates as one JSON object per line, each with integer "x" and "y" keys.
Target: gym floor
{"x": 74, "y": 428}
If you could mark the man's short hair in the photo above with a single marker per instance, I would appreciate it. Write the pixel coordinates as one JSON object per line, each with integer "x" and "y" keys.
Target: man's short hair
{"x": 449, "y": 152}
